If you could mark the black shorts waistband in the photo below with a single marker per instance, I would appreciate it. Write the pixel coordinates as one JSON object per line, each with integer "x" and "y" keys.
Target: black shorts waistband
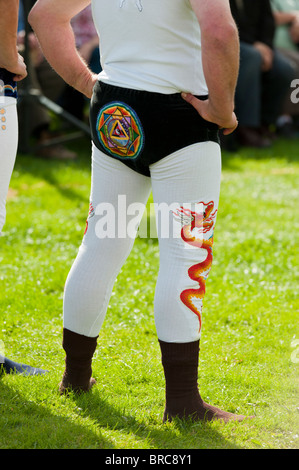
{"x": 144, "y": 95}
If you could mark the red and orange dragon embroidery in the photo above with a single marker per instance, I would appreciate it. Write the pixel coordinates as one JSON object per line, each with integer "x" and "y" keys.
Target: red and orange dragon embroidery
{"x": 195, "y": 225}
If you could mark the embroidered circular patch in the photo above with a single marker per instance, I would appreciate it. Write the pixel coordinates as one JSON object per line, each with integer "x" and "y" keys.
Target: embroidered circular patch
{"x": 119, "y": 130}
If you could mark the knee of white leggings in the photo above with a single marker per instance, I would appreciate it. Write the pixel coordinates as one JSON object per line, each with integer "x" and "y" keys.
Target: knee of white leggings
{"x": 90, "y": 281}
{"x": 179, "y": 296}
{"x": 185, "y": 263}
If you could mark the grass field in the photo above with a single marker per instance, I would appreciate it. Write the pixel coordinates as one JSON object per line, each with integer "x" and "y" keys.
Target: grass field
{"x": 249, "y": 360}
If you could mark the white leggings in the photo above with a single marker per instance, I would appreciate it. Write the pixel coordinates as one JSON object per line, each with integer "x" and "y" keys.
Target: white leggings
{"x": 8, "y": 149}
{"x": 187, "y": 180}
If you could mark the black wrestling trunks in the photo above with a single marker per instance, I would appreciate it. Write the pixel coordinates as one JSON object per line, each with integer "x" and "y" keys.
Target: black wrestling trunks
{"x": 140, "y": 128}
{"x": 8, "y": 87}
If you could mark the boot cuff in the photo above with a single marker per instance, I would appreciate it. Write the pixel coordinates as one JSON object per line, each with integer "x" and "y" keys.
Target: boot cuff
{"x": 179, "y": 352}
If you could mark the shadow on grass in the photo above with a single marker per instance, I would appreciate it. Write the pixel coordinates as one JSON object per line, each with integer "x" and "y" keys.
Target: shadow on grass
{"x": 177, "y": 435}
{"x": 25, "y": 424}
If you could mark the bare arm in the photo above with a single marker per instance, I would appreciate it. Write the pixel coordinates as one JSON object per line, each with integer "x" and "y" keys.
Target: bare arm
{"x": 50, "y": 19}
{"x": 220, "y": 55}
{"x": 9, "y": 57}
{"x": 285, "y": 17}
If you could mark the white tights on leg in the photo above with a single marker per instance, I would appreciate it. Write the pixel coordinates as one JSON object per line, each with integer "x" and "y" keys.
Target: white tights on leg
{"x": 186, "y": 182}
{"x": 99, "y": 260}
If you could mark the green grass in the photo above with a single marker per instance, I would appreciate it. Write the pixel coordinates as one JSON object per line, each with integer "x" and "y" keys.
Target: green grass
{"x": 249, "y": 360}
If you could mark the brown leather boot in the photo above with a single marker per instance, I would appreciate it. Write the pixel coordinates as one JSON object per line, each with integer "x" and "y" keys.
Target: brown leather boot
{"x": 180, "y": 363}
{"x": 79, "y": 352}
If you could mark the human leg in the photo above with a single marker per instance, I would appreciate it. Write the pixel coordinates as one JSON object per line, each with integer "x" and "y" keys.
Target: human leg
{"x": 248, "y": 98}
{"x": 104, "y": 249}
{"x": 248, "y": 91}
{"x": 8, "y": 145}
{"x": 188, "y": 183}
{"x": 276, "y": 86}
{"x": 8, "y": 150}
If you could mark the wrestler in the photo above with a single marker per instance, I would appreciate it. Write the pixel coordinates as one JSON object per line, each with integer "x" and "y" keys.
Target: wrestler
{"x": 12, "y": 70}
{"x": 167, "y": 84}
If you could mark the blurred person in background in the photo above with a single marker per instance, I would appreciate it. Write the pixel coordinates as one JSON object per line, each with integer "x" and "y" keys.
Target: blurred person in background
{"x": 286, "y": 40}
{"x": 44, "y": 79}
{"x": 87, "y": 43}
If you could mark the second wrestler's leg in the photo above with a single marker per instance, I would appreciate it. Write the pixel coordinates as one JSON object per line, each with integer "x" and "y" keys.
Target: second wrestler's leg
{"x": 8, "y": 144}
{"x": 8, "y": 150}
{"x": 104, "y": 249}
{"x": 188, "y": 184}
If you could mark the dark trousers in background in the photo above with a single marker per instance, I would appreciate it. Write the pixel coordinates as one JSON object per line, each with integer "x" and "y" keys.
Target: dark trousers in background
{"x": 260, "y": 95}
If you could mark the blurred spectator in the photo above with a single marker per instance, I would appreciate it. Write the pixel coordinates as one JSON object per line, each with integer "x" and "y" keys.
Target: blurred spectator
{"x": 286, "y": 39}
{"x": 286, "y": 14}
{"x": 265, "y": 74}
{"x": 50, "y": 84}
{"x": 87, "y": 39}
{"x": 87, "y": 42}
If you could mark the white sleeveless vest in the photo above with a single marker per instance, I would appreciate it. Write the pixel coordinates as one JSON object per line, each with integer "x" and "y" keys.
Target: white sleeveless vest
{"x": 152, "y": 45}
